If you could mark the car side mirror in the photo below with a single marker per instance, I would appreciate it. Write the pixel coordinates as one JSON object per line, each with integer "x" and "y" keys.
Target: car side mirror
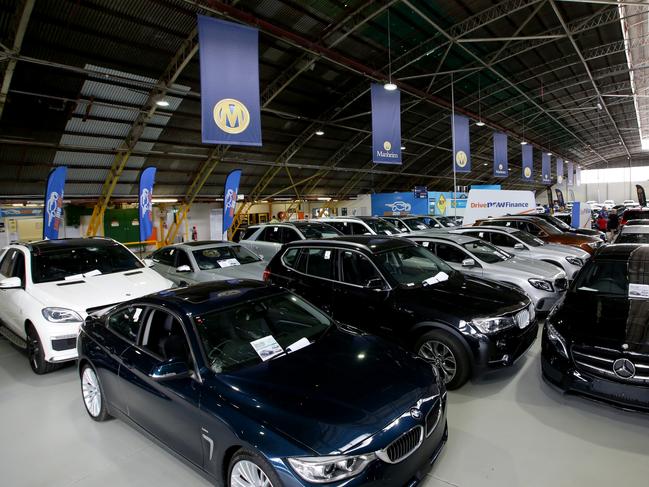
{"x": 11, "y": 283}
{"x": 375, "y": 284}
{"x": 519, "y": 246}
{"x": 183, "y": 268}
{"x": 174, "y": 368}
{"x": 149, "y": 262}
{"x": 437, "y": 225}
{"x": 468, "y": 263}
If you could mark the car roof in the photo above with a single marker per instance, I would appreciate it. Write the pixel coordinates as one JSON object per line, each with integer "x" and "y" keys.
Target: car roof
{"x": 617, "y": 251}
{"x": 67, "y": 243}
{"x": 480, "y": 228}
{"x": 370, "y": 243}
{"x": 204, "y": 244}
{"x": 514, "y": 217}
{"x": 635, "y": 229}
{"x": 452, "y": 237}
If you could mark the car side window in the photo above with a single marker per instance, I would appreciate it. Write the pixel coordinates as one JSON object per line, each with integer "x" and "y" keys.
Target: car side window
{"x": 164, "y": 256}
{"x": 318, "y": 262}
{"x": 357, "y": 269}
{"x": 7, "y": 262}
{"x": 502, "y": 240}
{"x": 400, "y": 225}
{"x": 271, "y": 234}
{"x": 359, "y": 229}
{"x": 450, "y": 253}
{"x": 19, "y": 267}
{"x": 165, "y": 338}
{"x": 529, "y": 228}
{"x": 289, "y": 235}
{"x": 343, "y": 227}
{"x": 249, "y": 233}
{"x": 183, "y": 259}
{"x": 290, "y": 257}
{"x": 126, "y": 322}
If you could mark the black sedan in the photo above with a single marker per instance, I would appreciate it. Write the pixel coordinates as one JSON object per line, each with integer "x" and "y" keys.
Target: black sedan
{"x": 256, "y": 387}
{"x": 395, "y": 288}
{"x": 596, "y": 343}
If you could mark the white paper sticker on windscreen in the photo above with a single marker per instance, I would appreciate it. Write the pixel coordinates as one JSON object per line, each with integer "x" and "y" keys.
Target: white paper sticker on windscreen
{"x": 638, "y": 291}
{"x": 228, "y": 262}
{"x": 267, "y": 347}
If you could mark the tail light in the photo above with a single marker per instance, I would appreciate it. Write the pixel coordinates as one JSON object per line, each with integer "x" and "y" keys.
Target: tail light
{"x": 266, "y": 275}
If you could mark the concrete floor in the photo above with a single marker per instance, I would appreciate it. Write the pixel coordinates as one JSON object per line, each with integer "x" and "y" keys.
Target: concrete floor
{"x": 508, "y": 430}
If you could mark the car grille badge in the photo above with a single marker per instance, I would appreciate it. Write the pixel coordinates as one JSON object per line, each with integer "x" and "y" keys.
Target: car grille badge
{"x": 624, "y": 368}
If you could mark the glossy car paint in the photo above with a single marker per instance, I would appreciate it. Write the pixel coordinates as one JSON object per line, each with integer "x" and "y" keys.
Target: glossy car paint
{"x": 607, "y": 328}
{"x": 402, "y": 314}
{"x": 346, "y": 393}
{"x": 564, "y": 226}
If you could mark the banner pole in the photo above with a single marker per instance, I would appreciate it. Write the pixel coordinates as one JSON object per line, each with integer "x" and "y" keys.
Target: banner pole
{"x": 453, "y": 136}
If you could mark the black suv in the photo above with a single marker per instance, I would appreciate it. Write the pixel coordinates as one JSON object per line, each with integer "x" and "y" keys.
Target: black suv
{"x": 395, "y": 288}
{"x": 596, "y": 342}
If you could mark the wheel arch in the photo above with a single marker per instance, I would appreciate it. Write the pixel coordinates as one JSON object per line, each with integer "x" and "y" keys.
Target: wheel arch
{"x": 424, "y": 327}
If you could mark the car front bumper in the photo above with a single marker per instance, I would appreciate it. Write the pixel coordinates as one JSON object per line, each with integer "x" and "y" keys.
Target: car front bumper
{"x": 59, "y": 341}
{"x": 504, "y": 348}
{"x": 543, "y": 300}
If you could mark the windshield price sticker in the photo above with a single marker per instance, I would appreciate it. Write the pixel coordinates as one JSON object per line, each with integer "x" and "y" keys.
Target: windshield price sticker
{"x": 228, "y": 262}
{"x": 267, "y": 347}
{"x": 638, "y": 291}
{"x": 439, "y": 277}
{"x": 327, "y": 254}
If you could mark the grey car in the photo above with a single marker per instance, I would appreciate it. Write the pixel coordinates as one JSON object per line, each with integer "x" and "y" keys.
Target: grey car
{"x": 362, "y": 225}
{"x": 407, "y": 224}
{"x": 637, "y": 234}
{"x": 266, "y": 240}
{"x": 544, "y": 283}
{"x": 517, "y": 242}
{"x": 194, "y": 262}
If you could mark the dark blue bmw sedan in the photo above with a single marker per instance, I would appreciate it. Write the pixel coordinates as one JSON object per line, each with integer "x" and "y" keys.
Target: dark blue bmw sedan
{"x": 256, "y": 387}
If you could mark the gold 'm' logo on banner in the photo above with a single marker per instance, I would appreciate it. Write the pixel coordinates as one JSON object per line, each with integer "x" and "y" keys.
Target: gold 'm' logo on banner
{"x": 387, "y": 145}
{"x": 527, "y": 172}
{"x": 231, "y": 116}
{"x": 461, "y": 159}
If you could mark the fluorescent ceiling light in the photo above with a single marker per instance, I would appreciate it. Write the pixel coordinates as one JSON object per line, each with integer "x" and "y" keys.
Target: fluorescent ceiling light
{"x": 390, "y": 86}
{"x": 164, "y": 200}
{"x": 480, "y": 123}
{"x": 319, "y": 132}
{"x": 523, "y": 142}
{"x": 403, "y": 147}
{"x": 323, "y": 198}
{"x": 549, "y": 153}
{"x": 162, "y": 103}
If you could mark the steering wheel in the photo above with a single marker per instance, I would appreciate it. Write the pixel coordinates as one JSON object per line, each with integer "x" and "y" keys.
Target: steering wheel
{"x": 212, "y": 355}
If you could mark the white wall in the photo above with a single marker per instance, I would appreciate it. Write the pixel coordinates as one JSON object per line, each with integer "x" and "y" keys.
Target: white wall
{"x": 617, "y": 192}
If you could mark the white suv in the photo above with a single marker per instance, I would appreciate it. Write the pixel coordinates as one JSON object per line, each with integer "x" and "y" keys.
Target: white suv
{"x": 361, "y": 225}
{"x": 48, "y": 288}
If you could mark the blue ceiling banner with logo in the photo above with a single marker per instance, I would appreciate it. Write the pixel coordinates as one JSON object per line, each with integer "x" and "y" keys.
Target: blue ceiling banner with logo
{"x": 461, "y": 143}
{"x": 578, "y": 176}
{"x": 230, "y": 192}
{"x": 546, "y": 169}
{"x": 570, "y": 174}
{"x": 528, "y": 163}
{"x": 560, "y": 201}
{"x": 386, "y": 125}
{"x": 559, "y": 171}
{"x": 147, "y": 180}
{"x": 53, "y": 213}
{"x": 501, "y": 166}
{"x": 229, "y": 60}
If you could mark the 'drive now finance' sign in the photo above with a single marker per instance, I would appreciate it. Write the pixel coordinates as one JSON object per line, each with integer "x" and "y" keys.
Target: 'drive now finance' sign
{"x": 491, "y": 203}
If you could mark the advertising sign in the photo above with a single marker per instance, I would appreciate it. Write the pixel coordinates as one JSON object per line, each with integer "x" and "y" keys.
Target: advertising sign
{"x": 501, "y": 167}
{"x": 230, "y": 192}
{"x": 54, "y": 203}
{"x": 559, "y": 171}
{"x": 461, "y": 143}
{"x": 385, "y": 204}
{"x": 421, "y": 192}
{"x": 642, "y": 198}
{"x": 147, "y": 179}
{"x": 546, "y": 175}
{"x": 570, "y": 174}
{"x": 386, "y": 125}
{"x": 581, "y": 215}
{"x": 444, "y": 203}
{"x": 229, "y": 65}
{"x": 489, "y": 203}
{"x": 528, "y": 163}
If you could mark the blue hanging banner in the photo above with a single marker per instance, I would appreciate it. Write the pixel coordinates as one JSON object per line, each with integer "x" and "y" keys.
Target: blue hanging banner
{"x": 559, "y": 171}
{"x": 230, "y": 192}
{"x": 461, "y": 143}
{"x": 570, "y": 174}
{"x": 501, "y": 166}
{"x": 528, "y": 163}
{"x": 546, "y": 169}
{"x": 229, "y": 60}
{"x": 54, "y": 203}
{"x": 560, "y": 201}
{"x": 386, "y": 125}
{"x": 147, "y": 180}
{"x": 578, "y": 176}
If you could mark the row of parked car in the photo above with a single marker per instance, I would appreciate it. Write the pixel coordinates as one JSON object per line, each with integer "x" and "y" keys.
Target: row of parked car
{"x": 281, "y": 378}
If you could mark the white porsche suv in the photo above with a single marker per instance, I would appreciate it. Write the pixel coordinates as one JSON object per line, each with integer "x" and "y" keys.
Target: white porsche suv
{"x": 48, "y": 288}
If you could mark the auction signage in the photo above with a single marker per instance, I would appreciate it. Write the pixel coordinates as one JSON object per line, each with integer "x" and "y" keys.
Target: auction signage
{"x": 546, "y": 176}
{"x": 570, "y": 174}
{"x": 461, "y": 143}
{"x": 147, "y": 179}
{"x": 385, "y": 204}
{"x": 642, "y": 197}
{"x": 386, "y": 125}
{"x": 485, "y": 203}
{"x": 559, "y": 171}
{"x": 581, "y": 215}
{"x": 229, "y": 61}
{"x": 54, "y": 203}
{"x": 421, "y": 192}
{"x": 230, "y": 192}
{"x": 528, "y": 163}
{"x": 501, "y": 169}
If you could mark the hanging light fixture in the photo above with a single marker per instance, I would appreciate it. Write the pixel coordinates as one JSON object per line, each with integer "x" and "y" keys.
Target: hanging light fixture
{"x": 479, "y": 123}
{"x": 390, "y": 86}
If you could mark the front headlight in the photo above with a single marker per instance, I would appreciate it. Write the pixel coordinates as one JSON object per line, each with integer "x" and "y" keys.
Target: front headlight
{"x": 492, "y": 325}
{"x": 61, "y": 315}
{"x": 541, "y": 284}
{"x": 322, "y": 470}
{"x": 557, "y": 340}
{"x": 575, "y": 261}
{"x": 594, "y": 245}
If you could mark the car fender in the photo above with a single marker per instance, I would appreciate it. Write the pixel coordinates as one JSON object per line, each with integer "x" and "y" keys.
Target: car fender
{"x": 425, "y": 326}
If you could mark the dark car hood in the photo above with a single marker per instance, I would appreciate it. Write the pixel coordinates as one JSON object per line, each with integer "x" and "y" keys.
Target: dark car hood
{"x": 333, "y": 393}
{"x": 461, "y": 297}
{"x": 586, "y": 231}
{"x": 608, "y": 321}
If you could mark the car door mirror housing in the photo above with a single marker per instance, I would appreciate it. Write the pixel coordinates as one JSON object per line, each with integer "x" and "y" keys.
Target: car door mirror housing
{"x": 183, "y": 268}
{"x": 468, "y": 263}
{"x": 174, "y": 368}
{"x": 375, "y": 283}
{"x": 149, "y": 262}
{"x": 11, "y": 283}
{"x": 519, "y": 246}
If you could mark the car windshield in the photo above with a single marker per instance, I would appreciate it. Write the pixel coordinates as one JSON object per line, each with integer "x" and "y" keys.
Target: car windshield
{"x": 317, "y": 230}
{"x": 635, "y": 214}
{"x": 381, "y": 227}
{"x": 412, "y": 266}
{"x": 223, "y": 256}
{"x": 59, "y": 264}
{"x": 528, "y": 239}
{"x": 550, "y": 228}
{"x": 255, "y": 331}
{"x": 559, "y": 223}
{"x": 417, "y": 223}
{"x": 487, "y": 252}
{"x": 632, "y": 238}
{"x": 604, "y": 277}
{"x": 446, "y": 221}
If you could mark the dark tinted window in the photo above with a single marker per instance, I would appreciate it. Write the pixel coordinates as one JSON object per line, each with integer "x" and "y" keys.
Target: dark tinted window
{"x": 487, "y": 252}
{"x": 290, "y": 235}
{"x": 19, "y": 267}
{"x": 357, "y": 269}
{"x": 400, "y": 225}
{"x": 502, "y": 240}
{"x": 632, "y": 238}
{"x": 635, "y": 214}
{"x": 317, "y": 230}
{"x": 249, "y": 233}
{"x": 164, "y": 256}
{"x": 447, "y": 252}
{"x": 223, "y": 256}
{"x": 318, "y": 262}
{"x": 7, "y": 262}
{"x": 164, "y": 337}
{"x": 342, "y": 227}
{"x": 381, "y": 227}
{"x": 290, "y": 257}
{"x": 183, "y": 259}
{"x": 605, "y": 277}
{"x": 57, "y": 264}
{"x": 126, "y": 322}
{"x": 271, "y": 234}
{"x": 411, "y": 266}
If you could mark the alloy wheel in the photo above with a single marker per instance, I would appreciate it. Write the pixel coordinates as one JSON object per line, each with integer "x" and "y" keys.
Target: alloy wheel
{"x": 248, "y": 474}
{"x": 91, "y": 392}
{"x": 33, "y": 350}
{"x": 440, "y": 355}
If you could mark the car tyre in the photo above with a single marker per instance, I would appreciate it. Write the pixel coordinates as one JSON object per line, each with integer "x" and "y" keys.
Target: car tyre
{"x": 36, "y": 354}
{"x": 250, "y": 469}
{"x": 92, "y": 394}
{"x": 448, "y": 353}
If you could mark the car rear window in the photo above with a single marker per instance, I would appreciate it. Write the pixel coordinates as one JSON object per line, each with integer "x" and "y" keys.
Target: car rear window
{"x": 635, "y": 214}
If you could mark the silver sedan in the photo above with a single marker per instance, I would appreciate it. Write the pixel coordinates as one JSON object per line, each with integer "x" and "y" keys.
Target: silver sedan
{"x": 193, "y": 262}
{"x": 517, "y": 242}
